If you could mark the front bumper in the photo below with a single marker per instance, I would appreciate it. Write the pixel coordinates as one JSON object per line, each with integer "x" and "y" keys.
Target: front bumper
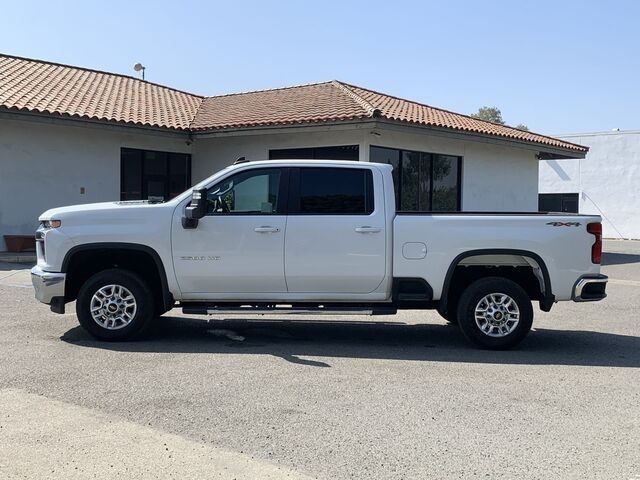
{"x": 48, "y": 285}
{"x": 590, "y": 288}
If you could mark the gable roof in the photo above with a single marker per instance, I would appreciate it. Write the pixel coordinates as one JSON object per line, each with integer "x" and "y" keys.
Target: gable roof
{"x": 51, "y": 88}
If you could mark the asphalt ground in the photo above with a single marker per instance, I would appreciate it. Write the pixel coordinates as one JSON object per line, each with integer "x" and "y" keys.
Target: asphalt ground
{"x": 400, "y": 397}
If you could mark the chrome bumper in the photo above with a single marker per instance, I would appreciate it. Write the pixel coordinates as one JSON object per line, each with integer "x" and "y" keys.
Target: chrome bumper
{"x": 590, "y": 288}
{"x": 47, "y": 285}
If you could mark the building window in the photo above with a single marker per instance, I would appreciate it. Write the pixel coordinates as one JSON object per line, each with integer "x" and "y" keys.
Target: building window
{"x": 428, "y": 182}
{"x": 558, "y": 202}
{"x": 335, "y": 191}
{"x": 345, "y": 152}
{"x": 148, "y": 174}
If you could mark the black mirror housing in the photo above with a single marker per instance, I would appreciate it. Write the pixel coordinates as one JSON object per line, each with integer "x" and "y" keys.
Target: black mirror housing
{"x": 196, "y": 209}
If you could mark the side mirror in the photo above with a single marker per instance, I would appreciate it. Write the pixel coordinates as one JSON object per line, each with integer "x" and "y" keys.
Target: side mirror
{"x": 196, "y": 209}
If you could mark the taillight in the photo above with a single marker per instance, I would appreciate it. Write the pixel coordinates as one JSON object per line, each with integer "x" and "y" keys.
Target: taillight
{"x": 596, "y": 249}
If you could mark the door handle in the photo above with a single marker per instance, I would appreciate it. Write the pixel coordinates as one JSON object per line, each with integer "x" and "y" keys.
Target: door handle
{"x": 266, "y": 229}
{"x": 368, "y": 229}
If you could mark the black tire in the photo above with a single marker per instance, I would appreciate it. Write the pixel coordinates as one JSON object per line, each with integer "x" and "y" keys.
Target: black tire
{"x": 451, "y": 314}
{"x": 471, "y": 298}
{"x": 144, "y": 305}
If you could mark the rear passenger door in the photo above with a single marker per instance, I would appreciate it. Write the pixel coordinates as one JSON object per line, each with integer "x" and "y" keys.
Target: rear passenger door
{"x": 335, "y": 239}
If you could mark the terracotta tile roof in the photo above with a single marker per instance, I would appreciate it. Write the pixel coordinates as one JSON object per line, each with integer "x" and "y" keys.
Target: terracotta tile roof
{"x": 337, "y": 101}
{"x": 320, "y": 102}
{"x": 44, "y": 87}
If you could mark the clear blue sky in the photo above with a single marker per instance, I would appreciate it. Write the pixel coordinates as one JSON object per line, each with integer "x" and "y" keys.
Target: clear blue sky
{"x": 556, "y": 66}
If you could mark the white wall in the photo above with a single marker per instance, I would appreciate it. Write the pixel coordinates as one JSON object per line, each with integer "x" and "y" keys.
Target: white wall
{"x": 608, "y": 180}
{"x": 494, "y": 177}
{"x": 44, "y": 166}
{"x": 213, "y": 154}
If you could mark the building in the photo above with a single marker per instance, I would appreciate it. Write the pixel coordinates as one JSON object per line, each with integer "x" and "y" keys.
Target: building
{"x": 72, "y": 135}
{"x": 606, "y": 182}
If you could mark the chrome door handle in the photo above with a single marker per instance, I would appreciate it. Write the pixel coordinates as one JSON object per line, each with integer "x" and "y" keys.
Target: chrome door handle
{"x": 368, "y": 229}
{"x": 266, "y": 229}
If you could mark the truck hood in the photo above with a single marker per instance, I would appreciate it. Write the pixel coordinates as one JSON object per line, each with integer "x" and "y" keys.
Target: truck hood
{"x": 59, "y": 213}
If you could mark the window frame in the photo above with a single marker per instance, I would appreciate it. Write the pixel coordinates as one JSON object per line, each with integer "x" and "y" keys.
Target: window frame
{"x": 283, "y": 193}
{"x": 398, "y": 152}
{"x": 294, "y": 193}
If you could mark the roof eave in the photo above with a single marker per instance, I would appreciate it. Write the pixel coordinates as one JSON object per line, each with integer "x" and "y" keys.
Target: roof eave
{"x": 543, "y": 151}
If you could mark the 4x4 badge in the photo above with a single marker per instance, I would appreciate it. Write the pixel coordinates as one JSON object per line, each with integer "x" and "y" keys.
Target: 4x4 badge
{"x": 564, "y": 224}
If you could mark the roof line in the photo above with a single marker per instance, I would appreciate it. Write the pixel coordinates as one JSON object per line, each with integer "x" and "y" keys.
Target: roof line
{"x": 103, "y": 72}
{"x": 460, "y": 114}
{"x": 370, "y": 109}
{"x": 300, "y": 85}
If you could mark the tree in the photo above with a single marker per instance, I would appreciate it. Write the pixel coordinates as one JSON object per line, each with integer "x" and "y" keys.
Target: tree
{"x": 490, "y": 114}
{"x": 493, "y": 114}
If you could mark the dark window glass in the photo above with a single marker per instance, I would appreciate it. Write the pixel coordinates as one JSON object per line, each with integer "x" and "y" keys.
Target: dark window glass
{"x": 346, "y": 152}
{"x": 131, "y": 174}
{"x": 251, "y": 192}
{"x": 292, "y": 153}
{"x": 147, "y": 174}
{"x": 392, "y": 157}
{"x": 445, "y": 183}
{"x": 558, "y": 202}
{"x": 336, "y": 191}
{"x": 410, "y": 178}
{"x": 422, "y": 181}
{"x": 179, "y": 173}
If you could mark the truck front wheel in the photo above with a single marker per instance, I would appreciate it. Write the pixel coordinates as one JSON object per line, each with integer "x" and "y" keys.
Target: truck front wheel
{"x": 495, "y": 313}
{"x": 115, "y": 305}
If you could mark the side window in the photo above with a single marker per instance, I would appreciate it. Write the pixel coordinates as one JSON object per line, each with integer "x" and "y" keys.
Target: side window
{"x": 336, "y": 191}
{"x": 250, "y": 192}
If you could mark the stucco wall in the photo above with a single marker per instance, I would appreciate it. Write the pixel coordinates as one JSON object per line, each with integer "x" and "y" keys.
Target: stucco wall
{"x": 44, "y": 166}
{"x": 608, "y": 180}
{"x": 494, "y": 177}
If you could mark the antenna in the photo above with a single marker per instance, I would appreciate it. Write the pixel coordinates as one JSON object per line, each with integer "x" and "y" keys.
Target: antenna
{"x": 138, "y": 67}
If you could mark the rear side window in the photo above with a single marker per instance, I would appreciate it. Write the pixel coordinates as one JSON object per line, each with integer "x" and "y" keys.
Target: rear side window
{"x": 335, "y": 191}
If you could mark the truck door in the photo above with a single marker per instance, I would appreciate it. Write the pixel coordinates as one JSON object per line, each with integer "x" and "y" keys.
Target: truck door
{"x": 335, "y": 241}
{"x": 238, "y": 247}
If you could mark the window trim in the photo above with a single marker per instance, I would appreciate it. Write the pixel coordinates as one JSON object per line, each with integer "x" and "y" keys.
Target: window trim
{"x": 294, "y": 193}
{"x": 432, "y": 155}
{"x": 283, "y": 193}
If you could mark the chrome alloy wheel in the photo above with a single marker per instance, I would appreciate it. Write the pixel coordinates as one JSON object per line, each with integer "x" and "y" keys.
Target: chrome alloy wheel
{"x": 497, "y": 315}
{"x": 113, "y": 307}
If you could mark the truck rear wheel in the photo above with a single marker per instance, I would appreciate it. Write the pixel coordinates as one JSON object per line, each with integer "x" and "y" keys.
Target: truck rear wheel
{"x": 495, "y": 313}
{"x": 115, "y": 305}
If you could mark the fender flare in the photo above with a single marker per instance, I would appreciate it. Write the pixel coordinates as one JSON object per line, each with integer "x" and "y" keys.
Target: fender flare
{"x": 167, "y": 297}
{"x": 545, "y": 303}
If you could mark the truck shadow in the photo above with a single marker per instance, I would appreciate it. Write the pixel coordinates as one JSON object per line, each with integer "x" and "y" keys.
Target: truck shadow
{"x": 609, "y": 258}
{"x": 324, "y": 340}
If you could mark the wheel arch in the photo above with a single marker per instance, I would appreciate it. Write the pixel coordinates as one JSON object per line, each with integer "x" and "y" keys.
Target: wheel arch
{"x": 547, "y": 299}
{"x": 115, "y": 250}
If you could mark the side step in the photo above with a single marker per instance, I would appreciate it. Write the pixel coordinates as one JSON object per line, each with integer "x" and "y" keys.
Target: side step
{"x": 193, "y": 308}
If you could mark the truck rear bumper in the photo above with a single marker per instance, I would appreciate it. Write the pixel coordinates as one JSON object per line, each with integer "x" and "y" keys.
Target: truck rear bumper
{"x": 590, "y": 288}
{"x": 49, "y": 286}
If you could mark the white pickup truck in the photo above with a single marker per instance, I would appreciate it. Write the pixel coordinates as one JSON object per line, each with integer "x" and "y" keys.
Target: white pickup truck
{"x": 311, "y": 236}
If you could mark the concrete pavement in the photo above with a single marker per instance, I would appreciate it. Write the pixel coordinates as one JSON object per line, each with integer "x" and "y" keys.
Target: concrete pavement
{"x": 401, "y": 397}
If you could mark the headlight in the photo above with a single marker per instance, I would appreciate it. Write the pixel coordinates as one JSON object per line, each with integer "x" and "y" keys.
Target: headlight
{"x": 51, "y": 224}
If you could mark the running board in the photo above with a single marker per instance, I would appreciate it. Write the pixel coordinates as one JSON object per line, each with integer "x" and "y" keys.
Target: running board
{"x": 334, "y": 309}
